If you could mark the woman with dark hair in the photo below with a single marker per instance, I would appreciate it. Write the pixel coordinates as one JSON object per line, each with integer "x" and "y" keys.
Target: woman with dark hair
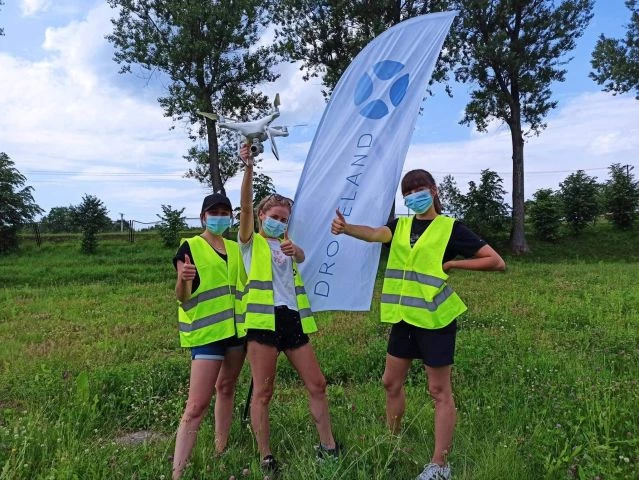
{"x": 209, "y": 270}
{"x": 420, "y": 305}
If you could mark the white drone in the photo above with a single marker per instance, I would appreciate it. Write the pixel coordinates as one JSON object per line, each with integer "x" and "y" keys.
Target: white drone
{"x": 257, "y": 131}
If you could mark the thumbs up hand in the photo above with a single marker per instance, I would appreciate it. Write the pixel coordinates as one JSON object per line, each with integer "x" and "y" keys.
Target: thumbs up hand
{"x": 287, "y": 246}
{"x": 188, "y": 270}
{"x": 339, "y": 223}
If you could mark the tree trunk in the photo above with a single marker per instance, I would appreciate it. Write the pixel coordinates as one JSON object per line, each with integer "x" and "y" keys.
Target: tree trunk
{"x": 214, "y": 162}
{"x": 518, "y": 243}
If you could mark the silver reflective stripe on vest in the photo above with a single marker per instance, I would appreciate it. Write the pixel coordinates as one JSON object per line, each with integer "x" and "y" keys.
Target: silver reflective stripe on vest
{"x": 305, "y": 313}
{"x": 256, "y": 285}
{"x": 239, "y": 318}
{"x": 207, "y": 295}
{"x": 415, "y": 277}
{"x": 260, "y": 285}
{"x": 207, "y": 321}
{"x": 419, "y": 302}
{"x": 300, "y": 290}
{"x": 260, "y": 308}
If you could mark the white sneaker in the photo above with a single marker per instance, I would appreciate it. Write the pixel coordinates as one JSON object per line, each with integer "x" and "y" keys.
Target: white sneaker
{"x": 432, "y": 471}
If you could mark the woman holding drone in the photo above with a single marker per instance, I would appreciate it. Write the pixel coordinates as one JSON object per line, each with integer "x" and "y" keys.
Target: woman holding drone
{"x": 209, "y": 270}
{"x": 276, "y": 315}
{"x": 420, "y": 305}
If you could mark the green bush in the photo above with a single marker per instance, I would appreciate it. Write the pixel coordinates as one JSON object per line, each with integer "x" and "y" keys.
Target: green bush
{"x": 578, "y": 193}
{"x": 484, "y": 209}
{"x": 622, "y": 196}
{"x": 91, "y": 217}
{"x": 170, "y": 226}
{"x": 545, "y": 214}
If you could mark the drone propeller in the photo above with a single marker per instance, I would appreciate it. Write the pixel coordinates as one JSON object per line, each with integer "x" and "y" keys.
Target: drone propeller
{"x": 211, "y": 116}
{"x": 279, "y": 130}
{"x": 273, "y": 146}
{"x": 276, "y": 102}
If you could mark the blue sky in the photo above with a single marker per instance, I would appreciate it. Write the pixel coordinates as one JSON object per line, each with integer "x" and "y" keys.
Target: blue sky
{"x": 73, "y": 125}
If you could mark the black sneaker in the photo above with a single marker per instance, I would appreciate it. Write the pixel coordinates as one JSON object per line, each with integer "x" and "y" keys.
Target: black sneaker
{"x": 324, "y": 453}
{"x": 269, "y": 465}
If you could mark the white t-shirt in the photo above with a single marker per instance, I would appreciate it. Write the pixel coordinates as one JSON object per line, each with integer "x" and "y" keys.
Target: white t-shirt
{"x": 282, "y": 268}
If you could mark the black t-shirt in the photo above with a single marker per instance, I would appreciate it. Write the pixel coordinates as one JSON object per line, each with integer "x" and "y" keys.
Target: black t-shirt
{"x": 463, "y": 241}
{"x": 185, "y": 249}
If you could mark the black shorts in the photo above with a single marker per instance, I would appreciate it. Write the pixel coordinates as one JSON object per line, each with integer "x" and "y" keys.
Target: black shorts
{"x": 288, "y": 332}
{"x": 436, "y": 348}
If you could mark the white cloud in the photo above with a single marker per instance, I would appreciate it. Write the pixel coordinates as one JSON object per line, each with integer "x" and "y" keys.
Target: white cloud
{"x": 63, "y": 113}
{"x": 590, "y": 132}
{"x": 59, "y": 114}
{"x": 31, "y": 7}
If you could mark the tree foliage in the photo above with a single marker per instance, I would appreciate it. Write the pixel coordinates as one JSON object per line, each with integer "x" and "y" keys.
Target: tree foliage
{"x": 578, "y": 193}
{"x": 616, "y": 61}
{"x": 325, "y": 35}
{"x": 1, "y": 29}
{"x": 17, "y": 206}
{"x": 208, "y": 50}
{"x": 91, "y": 217}
{"x": 513, "y": 52}
{"x": 59, "y": 220}
{"x": 622, "y": 196}
{"x": 484, "y": 209}
{"x": 451, "y": 198}
{"x": 172, "y": 222}
{"x": 545, "y": 214}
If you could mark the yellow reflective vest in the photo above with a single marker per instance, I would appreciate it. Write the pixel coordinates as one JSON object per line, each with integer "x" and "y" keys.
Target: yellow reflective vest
{"x": 209, "y": 314}
{"x": 257, "y": 308}
{"x": 415, "y": 288}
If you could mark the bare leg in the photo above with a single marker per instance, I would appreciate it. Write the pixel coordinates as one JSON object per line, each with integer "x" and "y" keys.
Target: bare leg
{"x": 393, "y": 379}
{"x": 263, "y": 361}
{"x": 225, "y": 394}
{"x": 441, "y": 391}
{"x": 203, "y": 376}
{"x": 306, "y": 364}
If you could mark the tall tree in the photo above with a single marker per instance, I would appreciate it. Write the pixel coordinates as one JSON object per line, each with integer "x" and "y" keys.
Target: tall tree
{"x": 325, "y": 35}
{"x": 514, "y": 51}
{"x": 17, "y": 206}
{"x": 208, "y": 50}
{"x": 511, "y": 49}
{"x": 616, "y": 61}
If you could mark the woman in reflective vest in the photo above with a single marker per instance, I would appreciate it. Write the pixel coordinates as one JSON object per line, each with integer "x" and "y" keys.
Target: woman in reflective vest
{"x": 419, "y": 304}
{"x": 276, "y": 315}
{"x": 209, "y": 273}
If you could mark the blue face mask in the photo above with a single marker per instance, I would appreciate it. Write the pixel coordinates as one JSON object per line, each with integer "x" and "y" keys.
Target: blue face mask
{"x": 419, "y": 202}
{"x": 217, "y": 225}
{"x": 273, "y": 228}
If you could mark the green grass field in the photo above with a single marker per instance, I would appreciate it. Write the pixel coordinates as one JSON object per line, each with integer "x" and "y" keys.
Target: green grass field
{"x": 546, "y": 378}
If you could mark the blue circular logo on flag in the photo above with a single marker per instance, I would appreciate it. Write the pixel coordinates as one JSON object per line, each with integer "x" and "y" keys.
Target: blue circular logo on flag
{"x": 385, "y": 71}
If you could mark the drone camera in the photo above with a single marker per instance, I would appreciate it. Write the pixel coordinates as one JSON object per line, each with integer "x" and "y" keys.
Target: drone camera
{"x": 256, "y": 147}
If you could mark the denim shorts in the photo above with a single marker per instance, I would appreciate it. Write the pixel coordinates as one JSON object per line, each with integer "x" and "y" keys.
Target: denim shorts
{"x": 217, "y": 350}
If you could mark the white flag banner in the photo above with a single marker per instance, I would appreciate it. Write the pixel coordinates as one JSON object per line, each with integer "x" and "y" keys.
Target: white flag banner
{"x": 355, "y": 161}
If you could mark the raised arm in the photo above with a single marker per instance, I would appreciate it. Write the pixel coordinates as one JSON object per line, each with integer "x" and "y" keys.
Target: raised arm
{"x": 246, "y": 197}
{"x": 361, "y": 232}
{"x": 485, "y": 259}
